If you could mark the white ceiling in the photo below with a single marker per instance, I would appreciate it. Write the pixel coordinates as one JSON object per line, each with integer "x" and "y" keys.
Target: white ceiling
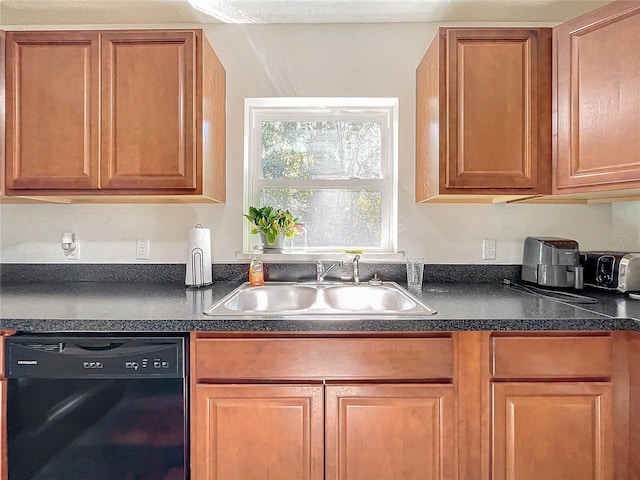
{"x": 89, "y": 12}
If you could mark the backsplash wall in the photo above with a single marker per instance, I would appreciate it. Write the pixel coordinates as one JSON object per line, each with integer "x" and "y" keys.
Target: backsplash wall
{"x": 310, "y": 60}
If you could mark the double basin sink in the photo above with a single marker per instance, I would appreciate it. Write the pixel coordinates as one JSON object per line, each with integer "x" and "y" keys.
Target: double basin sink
{"x": 308, "y": 300}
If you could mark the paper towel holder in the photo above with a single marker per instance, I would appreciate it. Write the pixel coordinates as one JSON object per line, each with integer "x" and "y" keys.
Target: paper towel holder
{"x": 199, "y": 257}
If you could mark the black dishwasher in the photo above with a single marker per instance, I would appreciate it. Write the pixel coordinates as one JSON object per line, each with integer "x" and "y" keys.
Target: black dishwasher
{"x": 97, "y": 407}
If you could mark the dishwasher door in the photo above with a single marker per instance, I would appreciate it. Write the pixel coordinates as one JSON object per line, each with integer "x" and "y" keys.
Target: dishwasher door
{"x": 96, "y": 408}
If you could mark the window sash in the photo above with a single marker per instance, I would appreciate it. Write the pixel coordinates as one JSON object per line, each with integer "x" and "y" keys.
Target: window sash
{"x": 383, "y": 110}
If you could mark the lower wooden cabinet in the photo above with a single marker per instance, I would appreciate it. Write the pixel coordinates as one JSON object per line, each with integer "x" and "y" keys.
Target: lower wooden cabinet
{"x": 552, "y": 431}
{"x": 258, "y": 432}
{"x": 312, "y": 432}
{"x": 3, "y": 429}
{"x": 402, "y": 432}
{"x": 348, "y": 408}
{"x": 460, "y": 405}
{"x": 4, "y": 471}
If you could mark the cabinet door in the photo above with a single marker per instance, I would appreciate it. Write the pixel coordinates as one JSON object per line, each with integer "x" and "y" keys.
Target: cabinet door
{"x": 597, "y": 100}
{"x": 401, "y": 432}
{"x": 3, "y": 429}
{"x": 4, "y": 472}
{"x": 52, "y": 110}
{"x": 148, "y": 119}
{"x": 257, "y": 432}
{"x": 555, "y": 431}
{"x": 497, "y": 94}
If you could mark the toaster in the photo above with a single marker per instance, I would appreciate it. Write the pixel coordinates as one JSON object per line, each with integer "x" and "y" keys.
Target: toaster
{"x": 552, "y": 262}
{"x": 614, "y": 271}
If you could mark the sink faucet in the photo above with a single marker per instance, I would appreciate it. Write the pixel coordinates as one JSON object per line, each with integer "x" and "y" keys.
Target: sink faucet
{"x": 322, "y": 271}
{"x": 356, "y": 270}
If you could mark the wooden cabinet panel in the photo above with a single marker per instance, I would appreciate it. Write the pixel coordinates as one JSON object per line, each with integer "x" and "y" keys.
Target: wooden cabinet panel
{"x": 324, "y": 358}
{"x": 552, "y": 356}
{"x": 52, "y": 111}
{"x": 493, "y": 92}
{"x": 555, "y": 431}
{"x": 389, "y": 431}
{"x": 135, "y": 113}
{"x": 4, "y": 470}
{"x": 492, "y": 87}
{"x": 257, "y": 432}
{"x": 597, "y": 100}
{"x": 3, "y": 122}
{"x": 634, "y": 404}
{"x": 148, "y": 123}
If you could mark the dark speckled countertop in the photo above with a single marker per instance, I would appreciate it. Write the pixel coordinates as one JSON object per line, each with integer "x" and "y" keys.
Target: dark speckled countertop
{"x": 128, "y": 306}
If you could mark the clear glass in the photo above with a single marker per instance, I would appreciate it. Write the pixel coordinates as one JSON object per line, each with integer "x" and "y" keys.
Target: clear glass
{"x": 415, "y": 272}
{"x": 333, "y": 218}
{"x": 298, "y": 244}
{"x": 324, "y": 149}
{"x": 299, "y": 150}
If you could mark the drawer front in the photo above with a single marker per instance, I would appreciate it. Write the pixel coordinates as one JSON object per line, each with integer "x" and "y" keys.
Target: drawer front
{"x": 323, "y": 359}
{"x": 552, "y": 357}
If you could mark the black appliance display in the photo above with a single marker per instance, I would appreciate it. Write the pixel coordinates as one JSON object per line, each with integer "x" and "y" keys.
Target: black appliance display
{"x": 96, "y": 407}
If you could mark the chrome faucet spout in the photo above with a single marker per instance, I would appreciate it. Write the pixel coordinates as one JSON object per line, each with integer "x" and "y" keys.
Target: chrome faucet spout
{"x": 322, "y": 271}
{"x": 356, "y": 270}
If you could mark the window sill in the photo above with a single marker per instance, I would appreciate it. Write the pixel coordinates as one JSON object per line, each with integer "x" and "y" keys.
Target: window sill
{"x": 300, "y": 257}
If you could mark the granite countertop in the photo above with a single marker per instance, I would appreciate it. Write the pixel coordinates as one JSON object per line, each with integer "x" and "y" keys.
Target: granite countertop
{"x": 128, "y": 306}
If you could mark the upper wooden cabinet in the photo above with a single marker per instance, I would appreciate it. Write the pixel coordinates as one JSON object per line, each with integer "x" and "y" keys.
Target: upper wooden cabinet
{"x": 483, "y": 114}
{"x": 597, "y": 100}
{"x": 114, "y": 113}
{"x": 52, "y": 110}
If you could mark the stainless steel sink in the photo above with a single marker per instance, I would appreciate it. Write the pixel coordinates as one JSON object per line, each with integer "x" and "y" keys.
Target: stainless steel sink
{"x": 320, "y": 300}
{"x": 368, "y": 298}
{"x": 272, "y": 298}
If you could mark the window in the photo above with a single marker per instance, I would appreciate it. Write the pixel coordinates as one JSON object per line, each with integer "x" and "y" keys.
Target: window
{"x": 332, "y": 162}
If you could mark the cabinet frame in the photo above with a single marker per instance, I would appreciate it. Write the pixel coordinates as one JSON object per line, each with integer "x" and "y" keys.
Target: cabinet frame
{"x": 197, "y": 174}
{"x": 85, "y": 169}
{"x": 383, "y": 369}
{"x": 614, "y": 163}
{"x": 592, "y": 398}
{"x": 444, "y": 170}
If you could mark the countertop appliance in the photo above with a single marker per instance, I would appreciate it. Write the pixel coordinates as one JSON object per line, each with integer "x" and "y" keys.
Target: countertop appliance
{"x": 614, "y": 271}
{"x": 552, "y": 262}
{"x": 96, "y": 407}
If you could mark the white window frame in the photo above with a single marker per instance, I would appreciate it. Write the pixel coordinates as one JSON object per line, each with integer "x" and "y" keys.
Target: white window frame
{"x": 384, "y": 110}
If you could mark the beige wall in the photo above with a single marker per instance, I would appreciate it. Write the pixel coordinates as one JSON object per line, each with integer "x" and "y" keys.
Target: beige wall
{"x": 312, "y": 60}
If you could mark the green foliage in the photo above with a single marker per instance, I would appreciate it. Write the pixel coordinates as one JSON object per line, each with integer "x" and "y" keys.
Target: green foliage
{"x": 309, "y": 159}
{"x": 271, "y": 222}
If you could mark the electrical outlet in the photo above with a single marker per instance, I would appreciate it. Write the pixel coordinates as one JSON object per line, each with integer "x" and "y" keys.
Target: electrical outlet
{"x": 75, "y": 253}
{"x": 142, "y": 249}
{"x": 488, "y": 248}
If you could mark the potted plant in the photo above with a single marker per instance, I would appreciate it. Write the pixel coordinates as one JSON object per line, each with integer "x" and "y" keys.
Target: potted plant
{"x": 273, "y": 225}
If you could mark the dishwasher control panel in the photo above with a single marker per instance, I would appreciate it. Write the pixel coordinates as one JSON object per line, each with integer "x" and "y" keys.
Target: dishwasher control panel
{"x": 82, "y": 357}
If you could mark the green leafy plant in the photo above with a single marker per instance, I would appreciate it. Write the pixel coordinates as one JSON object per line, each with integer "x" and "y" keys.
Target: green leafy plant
{"x": 272, "y": 222}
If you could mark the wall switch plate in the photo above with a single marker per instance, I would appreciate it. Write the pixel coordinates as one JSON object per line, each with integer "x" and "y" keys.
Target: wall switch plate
{"x": 142, "y": 249}
{"x": 488, "y": 248}
{"x": 75, "y": 253}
